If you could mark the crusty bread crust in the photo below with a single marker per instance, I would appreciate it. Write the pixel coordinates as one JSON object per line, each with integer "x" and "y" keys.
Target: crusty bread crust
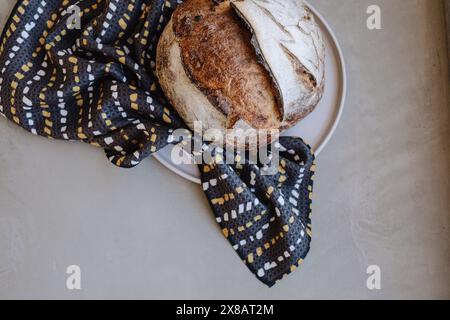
{"x": 219, "y": 58}
{"x": 192, "y": 105}
{"x": 213, "y": 68}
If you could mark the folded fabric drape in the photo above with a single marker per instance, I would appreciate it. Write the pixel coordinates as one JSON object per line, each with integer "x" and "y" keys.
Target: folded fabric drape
{"x": 93, "y": 80}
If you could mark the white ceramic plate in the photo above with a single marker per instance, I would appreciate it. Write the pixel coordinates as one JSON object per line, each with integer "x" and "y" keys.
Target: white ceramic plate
{"x": 319, "y": 126}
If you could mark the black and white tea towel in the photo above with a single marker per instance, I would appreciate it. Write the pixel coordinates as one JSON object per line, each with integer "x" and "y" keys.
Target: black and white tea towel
{"x": 95, "y": 82}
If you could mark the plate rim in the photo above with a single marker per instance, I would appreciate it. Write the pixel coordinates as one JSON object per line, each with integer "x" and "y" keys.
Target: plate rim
{"x": 342, "y": 98}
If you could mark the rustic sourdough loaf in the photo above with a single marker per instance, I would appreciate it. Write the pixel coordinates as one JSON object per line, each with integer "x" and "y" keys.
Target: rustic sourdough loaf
{"x": 242, "y": 64}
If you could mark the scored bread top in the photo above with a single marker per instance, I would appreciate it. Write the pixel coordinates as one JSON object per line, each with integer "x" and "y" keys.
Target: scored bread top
{"x": 242, "y": 64}
{"x": 220, "y": 60}
{"x": 290, "y": 44}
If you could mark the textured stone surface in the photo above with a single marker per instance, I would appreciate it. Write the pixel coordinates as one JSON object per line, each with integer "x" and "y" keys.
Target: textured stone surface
{"x": 382, "y": 194}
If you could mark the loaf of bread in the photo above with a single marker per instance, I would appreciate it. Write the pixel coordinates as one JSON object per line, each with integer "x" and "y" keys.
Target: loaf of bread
{"x": 242, "y": 64}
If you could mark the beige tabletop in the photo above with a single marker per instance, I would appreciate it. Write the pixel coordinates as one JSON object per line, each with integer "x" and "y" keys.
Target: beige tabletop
{"x": 382, "y": 191}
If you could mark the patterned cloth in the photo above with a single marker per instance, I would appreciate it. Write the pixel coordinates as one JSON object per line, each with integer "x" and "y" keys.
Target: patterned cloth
{"x": 96, "y": 84}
